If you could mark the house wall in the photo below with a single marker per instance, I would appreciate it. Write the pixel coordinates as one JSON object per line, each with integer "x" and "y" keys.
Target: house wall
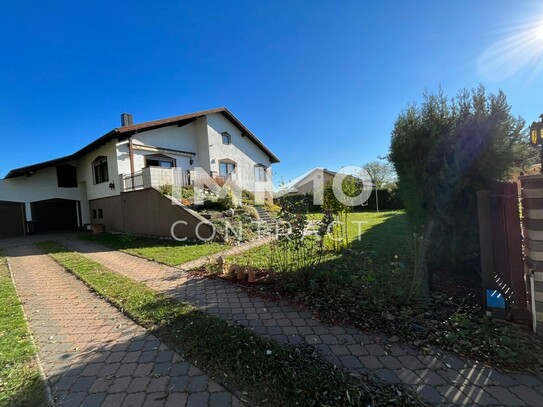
{"x": 202, "y": 140}
{"x": 172, "y": 137}
{"x": 40, "y": 186}
{"x": 85, "y": 172}
{"x": 242, "y": 150}
{"x": 315, "y": 179}
{"x": 112, "y": 213}
{"x": 148, "y": 212}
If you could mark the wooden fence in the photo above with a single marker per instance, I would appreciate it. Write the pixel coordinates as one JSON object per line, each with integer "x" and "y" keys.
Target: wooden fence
{"x": 500, "y": 233}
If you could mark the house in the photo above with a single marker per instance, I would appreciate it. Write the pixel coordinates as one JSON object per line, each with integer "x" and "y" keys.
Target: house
{"x": 114, "y": 180}
{"x": 307, "y": 182}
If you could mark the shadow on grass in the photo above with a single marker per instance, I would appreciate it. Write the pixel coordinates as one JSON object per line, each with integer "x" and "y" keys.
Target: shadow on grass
{"x": 31, "y": 392}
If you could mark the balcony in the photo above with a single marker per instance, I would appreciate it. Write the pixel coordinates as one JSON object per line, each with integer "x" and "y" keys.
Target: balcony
{"x": 154, "y": 177}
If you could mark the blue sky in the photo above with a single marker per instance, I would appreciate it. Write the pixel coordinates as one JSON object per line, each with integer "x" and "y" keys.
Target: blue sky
{"x": 320, "y": 82}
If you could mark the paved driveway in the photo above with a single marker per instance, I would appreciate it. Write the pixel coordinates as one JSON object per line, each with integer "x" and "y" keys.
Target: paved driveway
{"x": 92, "y": 355}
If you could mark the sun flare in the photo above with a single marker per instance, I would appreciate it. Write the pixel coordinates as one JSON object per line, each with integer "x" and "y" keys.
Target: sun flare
{"x": 520, "y": 50}
{"x": 538, "y": 31}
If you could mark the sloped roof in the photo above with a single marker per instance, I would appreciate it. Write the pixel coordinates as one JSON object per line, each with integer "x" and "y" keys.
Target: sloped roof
{"x": 125, "y": 132}
{"x": 293, "y": 185}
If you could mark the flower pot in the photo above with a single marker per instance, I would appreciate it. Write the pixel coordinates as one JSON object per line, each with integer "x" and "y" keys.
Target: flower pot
{"x": 98, "y": 228}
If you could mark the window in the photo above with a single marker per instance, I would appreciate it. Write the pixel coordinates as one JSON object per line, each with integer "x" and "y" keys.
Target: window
{"x": 99, "y": 170}
{"x": 260, "y": 173}
{"x": 226, "y": 139}
{"x": 100, "y": 214}
{"x": 94, "y": 213}
{"x": 226, "y": 168}
{"x": 159, "y": 161}
{"x": 66, "y": 176}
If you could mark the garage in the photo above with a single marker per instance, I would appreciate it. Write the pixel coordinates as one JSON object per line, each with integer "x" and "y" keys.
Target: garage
{"x": 54, "y": 215}
{"x": 12, "y": 219}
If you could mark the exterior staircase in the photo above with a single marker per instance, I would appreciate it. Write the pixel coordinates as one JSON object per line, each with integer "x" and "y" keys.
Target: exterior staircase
{"x": 264, "y": 215}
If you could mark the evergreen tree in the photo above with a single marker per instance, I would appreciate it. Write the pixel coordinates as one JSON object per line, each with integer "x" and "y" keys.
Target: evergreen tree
{"x": 443, "y": 152}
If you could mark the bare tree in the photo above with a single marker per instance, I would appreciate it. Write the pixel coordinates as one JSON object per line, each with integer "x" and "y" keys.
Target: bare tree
{"x": 381, "y": 173}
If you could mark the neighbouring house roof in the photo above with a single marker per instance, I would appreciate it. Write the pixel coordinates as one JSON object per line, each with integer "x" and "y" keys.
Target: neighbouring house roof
{"x": 292, "y": 186}
{"x": 125, "y": 132}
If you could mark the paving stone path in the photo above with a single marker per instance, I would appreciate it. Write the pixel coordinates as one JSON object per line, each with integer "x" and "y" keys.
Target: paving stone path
{"x": 92, "y": 355}
{"x": 440, "y": 378}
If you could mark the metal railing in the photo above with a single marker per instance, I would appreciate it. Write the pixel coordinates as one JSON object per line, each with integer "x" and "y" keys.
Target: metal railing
{"x": 132, "y": 182}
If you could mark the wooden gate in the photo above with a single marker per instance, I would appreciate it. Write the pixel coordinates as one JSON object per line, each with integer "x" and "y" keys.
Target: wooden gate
{"x": 500, "y": 234}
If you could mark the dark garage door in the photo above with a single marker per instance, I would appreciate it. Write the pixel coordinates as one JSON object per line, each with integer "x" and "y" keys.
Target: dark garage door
{"x": 54, "y": 214}
{"x": 12, "y": 219}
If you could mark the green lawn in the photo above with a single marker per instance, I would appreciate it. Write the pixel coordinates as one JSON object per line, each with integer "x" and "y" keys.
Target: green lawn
{"x": 269, "y": 373}
{"x": 20, "y": 381}
{"x": 169, "y": 252}
{"x": 384, "y": 233}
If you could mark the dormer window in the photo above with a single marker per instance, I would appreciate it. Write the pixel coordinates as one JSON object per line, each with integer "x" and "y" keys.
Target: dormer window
{"x": 99, "y": 170}
{"x": 226, "y": 139}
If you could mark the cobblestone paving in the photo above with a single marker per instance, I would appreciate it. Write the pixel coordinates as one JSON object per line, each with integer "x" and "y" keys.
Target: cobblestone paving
{"x": 92, "y": 355}
{"x": 440, "y": 378}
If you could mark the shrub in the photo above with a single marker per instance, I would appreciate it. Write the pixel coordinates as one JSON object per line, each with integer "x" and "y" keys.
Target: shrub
{"x": 443, "y": 152}
{"x": 229, "y": 201}
{"x": 247, "y": 195}
{"x": 184, "y": 193}
{"x": 213, "y": 204}
{"x": 389, "y": 199}
{"x": 166, "y": 189}
{"x": 272, "y": 208}
{"x": 251, "y": 212}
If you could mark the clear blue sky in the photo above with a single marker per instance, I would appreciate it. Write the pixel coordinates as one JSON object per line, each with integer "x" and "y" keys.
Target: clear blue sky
{"x": 320, "y": 82}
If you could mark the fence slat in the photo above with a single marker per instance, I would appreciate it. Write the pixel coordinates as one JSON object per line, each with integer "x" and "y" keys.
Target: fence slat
{"x": 507, "y": 247}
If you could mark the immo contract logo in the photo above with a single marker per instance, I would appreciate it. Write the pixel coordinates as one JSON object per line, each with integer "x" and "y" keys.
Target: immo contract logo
{"x": 204, "y": 185}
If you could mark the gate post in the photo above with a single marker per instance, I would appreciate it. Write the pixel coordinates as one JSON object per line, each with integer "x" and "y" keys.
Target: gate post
{"x": 485, "y": 241}
{"x": 532, "y": 225}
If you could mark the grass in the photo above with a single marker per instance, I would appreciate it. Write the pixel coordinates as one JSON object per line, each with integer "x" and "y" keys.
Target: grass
{"x": 169, "y": 252}
{"x": 20, "y": 380}
{"x": 392, "y": 232}
{"x": 383, "y": 233}
{"x": 269, "y": 373}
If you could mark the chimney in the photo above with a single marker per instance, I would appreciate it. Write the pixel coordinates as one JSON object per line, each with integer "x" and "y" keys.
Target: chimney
{"x": 127, "y": 119}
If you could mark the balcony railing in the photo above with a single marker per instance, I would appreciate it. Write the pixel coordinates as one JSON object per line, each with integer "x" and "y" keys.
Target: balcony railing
{"x": 154, "y": 177}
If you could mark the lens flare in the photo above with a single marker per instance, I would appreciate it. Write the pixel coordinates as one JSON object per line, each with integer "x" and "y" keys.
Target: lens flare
{"x": 539, "y": 32}
{"x": 521, "y": 50}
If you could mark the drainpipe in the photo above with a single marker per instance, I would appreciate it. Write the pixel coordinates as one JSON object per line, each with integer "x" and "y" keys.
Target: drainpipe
{"x": 131, "y": 154}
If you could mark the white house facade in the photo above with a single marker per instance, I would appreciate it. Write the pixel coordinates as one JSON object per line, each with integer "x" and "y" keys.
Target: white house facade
{"x": 92, "y": 185}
